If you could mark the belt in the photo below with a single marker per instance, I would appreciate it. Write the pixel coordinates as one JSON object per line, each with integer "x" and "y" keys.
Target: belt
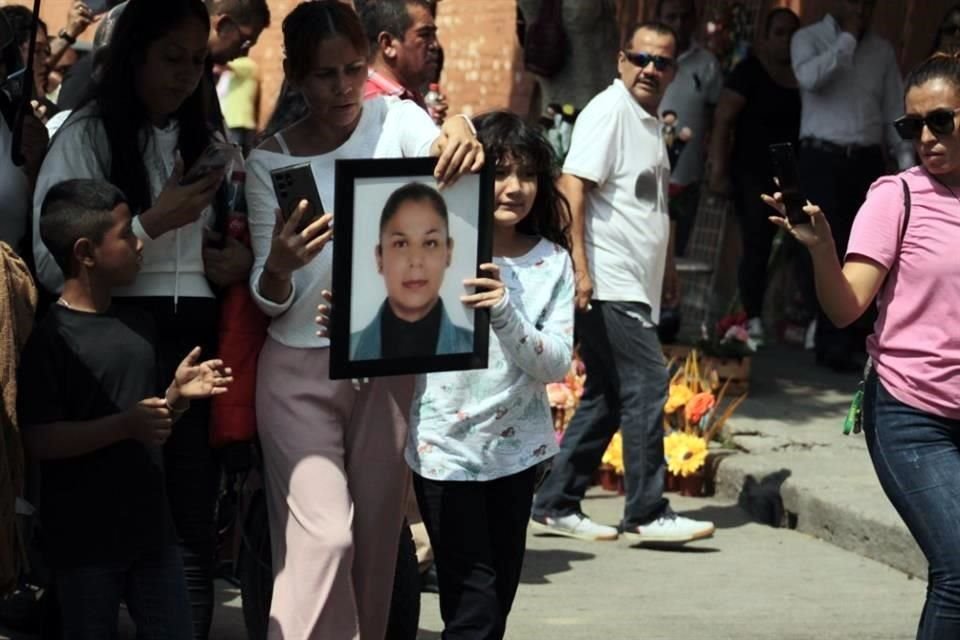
{"x": 845, "y": 150}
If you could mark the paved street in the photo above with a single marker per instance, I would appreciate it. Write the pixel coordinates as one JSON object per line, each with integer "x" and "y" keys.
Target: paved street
{"x": 751, "y": 582}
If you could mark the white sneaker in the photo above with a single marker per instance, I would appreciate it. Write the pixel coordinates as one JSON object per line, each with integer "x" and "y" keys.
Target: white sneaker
{"x": 755, "y": 331}
{"x": 670, "y": 529}
{"x": 575, "y": 525}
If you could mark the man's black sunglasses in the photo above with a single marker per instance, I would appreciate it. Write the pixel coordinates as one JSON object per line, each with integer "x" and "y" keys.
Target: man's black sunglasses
{"x": 941, "y": 122}
{"x": 660, "y": 63}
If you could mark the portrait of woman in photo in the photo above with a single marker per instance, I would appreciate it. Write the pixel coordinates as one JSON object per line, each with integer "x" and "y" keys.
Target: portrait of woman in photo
{"x": 413, "y": 253}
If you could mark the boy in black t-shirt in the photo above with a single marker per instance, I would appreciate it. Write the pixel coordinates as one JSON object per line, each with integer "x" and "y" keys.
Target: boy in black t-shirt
{"x": 93, "y": 420}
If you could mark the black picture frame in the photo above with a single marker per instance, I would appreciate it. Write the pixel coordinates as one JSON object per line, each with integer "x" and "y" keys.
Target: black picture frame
{"x": 345, "y": 225}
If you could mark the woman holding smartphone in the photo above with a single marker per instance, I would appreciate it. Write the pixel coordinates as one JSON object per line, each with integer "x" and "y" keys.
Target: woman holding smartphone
{"x": 903, "y": 252}
{"x": 333, "y": 454}
{"x": 143, "y": 123}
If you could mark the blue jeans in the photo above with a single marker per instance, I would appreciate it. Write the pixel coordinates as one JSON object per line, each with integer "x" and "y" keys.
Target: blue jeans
{"x": 917, "y": 458}
{"x": 626, "y": 388}
{"x": 153, "y": 587}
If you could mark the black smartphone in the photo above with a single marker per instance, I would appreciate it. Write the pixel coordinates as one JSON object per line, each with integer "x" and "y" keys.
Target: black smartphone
{"x": 785, "y": 169}
{"x": 98, "y": 6}
{"x": 214, "y": 158}
{"x": 293, "y": 184}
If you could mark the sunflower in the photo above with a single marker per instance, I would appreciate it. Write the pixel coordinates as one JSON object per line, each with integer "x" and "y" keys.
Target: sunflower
{"x": 613, "y": 456}
{"x": 685, "y": 453}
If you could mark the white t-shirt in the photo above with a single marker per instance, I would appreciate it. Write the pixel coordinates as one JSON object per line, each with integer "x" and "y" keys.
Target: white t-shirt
{"x": 697, "y": 86}
{"x": 172, "y": 262}
{"x": 388, "y": 128}
{"x": 619, "y": 146}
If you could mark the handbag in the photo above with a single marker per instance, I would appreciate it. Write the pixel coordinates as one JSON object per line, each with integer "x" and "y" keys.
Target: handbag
{"x": 853, "y": 423}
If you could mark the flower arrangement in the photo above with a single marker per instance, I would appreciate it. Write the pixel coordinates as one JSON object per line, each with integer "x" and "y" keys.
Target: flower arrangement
{"x": 565, "y": 396}
{"x": 691, "y": 418}
{"x": 730, "y": 338}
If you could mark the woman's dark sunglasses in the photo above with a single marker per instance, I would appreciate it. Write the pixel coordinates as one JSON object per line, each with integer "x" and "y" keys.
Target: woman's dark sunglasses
{"x": 660, "y": 63}
{"x": 941, "y": 122}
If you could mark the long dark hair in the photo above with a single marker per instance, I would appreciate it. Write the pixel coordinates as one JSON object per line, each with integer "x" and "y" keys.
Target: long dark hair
{"x": 505, "y": 136}
{"x": 122, "y": 113}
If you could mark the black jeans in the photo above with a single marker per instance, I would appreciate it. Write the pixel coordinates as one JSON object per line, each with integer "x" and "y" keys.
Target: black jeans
{"x": 189, "y": 462}
{"x": 757, "y": 233}
{"x": 626, "y": 388}
{"x": 478, "y": 531}
{"x": 917, "y": 459}
{"x": 152, "y": 587}
{"x": 838, "y": 184}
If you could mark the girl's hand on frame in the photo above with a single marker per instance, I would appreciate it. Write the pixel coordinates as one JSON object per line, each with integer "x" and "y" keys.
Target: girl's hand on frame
{"x": 813, "y": 236}
{"x": 459, "y": 151}
{"x": 291, "y": 249}
{"x": 323, "y": 314}
{"x": 489, "y": 291}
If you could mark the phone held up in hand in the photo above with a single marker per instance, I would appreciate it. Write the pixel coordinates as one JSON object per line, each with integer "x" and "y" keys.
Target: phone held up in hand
{"x": 98, "y": 6}
{"x": 785, "y": 169}
{"x": 292, "y": 185}
{"x": 218, "y": 156}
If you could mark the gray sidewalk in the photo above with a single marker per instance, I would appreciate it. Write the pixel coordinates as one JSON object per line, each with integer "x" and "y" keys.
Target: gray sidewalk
{"x": 795, "y": 468}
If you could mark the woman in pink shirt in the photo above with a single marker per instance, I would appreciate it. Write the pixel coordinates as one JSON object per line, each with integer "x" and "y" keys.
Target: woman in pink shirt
{"x": 909, "y": 259}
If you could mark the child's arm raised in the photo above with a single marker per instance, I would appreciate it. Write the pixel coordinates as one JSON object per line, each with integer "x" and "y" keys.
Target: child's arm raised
{"x": 149, "y": 422}
{"x": 543, "y": 350}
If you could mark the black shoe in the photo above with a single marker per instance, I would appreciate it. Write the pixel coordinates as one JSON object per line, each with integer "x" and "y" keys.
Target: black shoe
{"x": 429, "y": 582}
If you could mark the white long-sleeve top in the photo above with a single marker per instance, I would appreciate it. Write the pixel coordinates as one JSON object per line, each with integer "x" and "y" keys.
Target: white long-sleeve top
{"x": 388, "y": 128}
{"x": 487, "y": 424}
{"x": 172, "y": 262}
{"x": 851, "y": 91}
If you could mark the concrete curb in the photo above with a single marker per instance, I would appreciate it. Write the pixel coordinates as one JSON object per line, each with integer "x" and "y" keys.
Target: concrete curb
{"x": 828, "y": 493}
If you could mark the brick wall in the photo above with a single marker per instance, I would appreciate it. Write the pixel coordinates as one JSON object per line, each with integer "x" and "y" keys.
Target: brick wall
{"x": 483, "y": 68}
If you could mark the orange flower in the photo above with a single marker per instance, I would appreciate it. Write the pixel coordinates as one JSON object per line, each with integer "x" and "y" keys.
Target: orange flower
{"x": 699, "y": 406}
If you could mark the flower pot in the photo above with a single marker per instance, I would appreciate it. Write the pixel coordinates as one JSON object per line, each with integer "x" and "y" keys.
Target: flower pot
{"x": 609, "y": 480}
{"x": 693, "y": 486}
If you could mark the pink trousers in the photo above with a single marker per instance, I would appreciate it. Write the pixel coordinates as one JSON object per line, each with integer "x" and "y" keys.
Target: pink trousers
{"x": 336, "y": 488}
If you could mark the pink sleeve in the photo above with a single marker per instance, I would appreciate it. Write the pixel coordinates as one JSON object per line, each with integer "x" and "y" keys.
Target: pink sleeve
{"x": 876, "y": 229}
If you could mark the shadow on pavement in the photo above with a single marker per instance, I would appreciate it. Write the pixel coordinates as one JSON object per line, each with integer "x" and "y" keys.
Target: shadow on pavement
{"x": 540, "y": 563}
{"x": 729, "y": 517}
{"x": 786, "y": 385}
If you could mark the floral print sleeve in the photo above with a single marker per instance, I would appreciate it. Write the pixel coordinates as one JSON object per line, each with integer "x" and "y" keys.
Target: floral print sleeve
{"x": 543, "y": 349}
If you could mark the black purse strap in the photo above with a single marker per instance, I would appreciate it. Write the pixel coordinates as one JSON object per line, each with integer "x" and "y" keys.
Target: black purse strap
{"x": 903, "y": 229}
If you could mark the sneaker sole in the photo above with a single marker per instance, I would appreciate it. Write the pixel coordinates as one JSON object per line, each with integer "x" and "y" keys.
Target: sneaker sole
{"x": 541, "y": 529}
{"x": 665, "y": 539}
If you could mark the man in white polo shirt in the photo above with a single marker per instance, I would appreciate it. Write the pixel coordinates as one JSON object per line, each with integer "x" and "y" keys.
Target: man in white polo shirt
{"x": 616, "y": 177}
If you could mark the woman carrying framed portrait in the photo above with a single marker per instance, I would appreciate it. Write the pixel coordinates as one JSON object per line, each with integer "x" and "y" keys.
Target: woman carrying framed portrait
{"x": 334, "y": 471}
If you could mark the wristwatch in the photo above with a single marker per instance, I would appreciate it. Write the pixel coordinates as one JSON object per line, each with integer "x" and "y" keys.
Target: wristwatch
{"x": 63, "y": 35}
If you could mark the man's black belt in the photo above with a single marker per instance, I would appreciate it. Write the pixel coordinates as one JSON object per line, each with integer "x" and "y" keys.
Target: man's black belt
{"x": 845, "y": 150}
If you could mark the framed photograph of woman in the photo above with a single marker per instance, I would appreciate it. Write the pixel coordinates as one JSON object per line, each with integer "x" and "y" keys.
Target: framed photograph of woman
{"x": 402, "y": 251}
